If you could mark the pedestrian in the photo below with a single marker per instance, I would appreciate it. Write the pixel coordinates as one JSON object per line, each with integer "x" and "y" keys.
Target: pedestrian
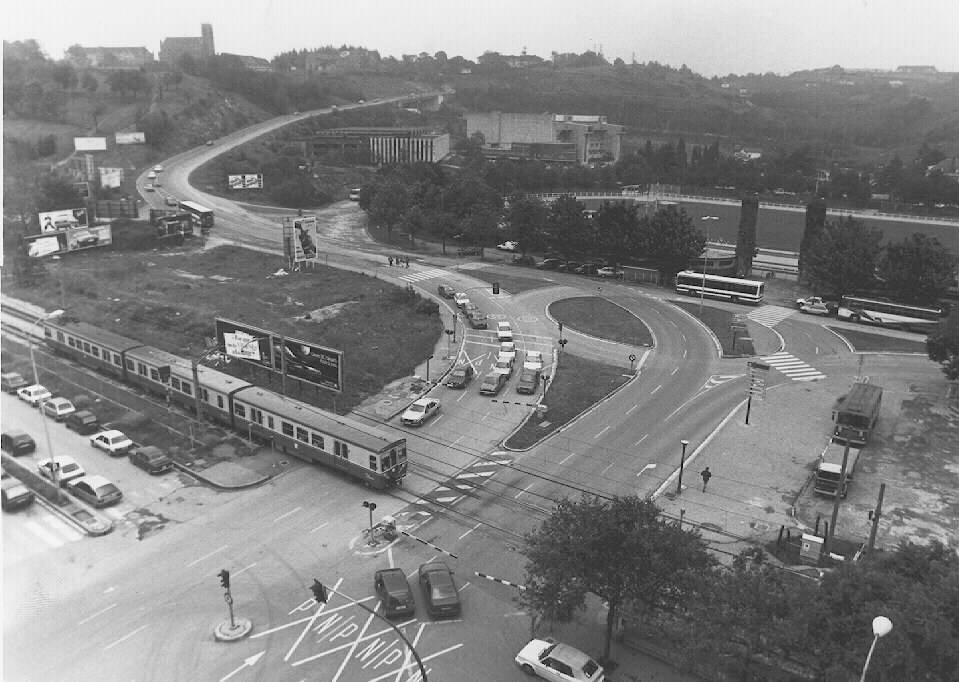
{"x": 390, "y": 258}
{"x": 407, "y": 262}
{"x": 706, "y": 474}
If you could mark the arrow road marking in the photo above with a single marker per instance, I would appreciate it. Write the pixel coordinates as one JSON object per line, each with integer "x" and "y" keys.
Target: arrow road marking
{"x": 247, "y": 663}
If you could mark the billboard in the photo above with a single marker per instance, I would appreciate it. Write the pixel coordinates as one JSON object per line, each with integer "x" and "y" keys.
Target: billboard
{"x": 90, "y": 144}
{"x": 305, "y": 238}
{"x": 314, "y": 364}
{"x": 70, "y": 218}
{"x": 242, "y": 341}
{"x": 131, "y": 138}
{"x": 65, "y": 241}
{"x": 245, "y": 181}
{"x": 111, "y": 177}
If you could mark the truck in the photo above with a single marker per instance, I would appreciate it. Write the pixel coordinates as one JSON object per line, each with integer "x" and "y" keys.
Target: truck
{"x": 856, "y": 413}
{"x": 829, "y": 469}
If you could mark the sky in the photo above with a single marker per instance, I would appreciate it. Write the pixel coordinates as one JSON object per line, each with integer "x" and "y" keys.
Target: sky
{"x": 712, "y": 37}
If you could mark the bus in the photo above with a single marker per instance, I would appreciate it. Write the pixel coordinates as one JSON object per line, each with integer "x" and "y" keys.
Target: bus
{"x": 888, "y": 314}
{"x": 856, "y": 414}
{"x": 202, "y": 215}
{"x": 715, "y": 286}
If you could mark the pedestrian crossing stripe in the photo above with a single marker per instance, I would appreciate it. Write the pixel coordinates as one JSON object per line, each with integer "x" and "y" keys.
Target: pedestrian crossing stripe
{"x": 422, "y": 275}
{"x": 53, "y": 531}
{"x": 793, "y": 367}
{"x": 770, "y": 315}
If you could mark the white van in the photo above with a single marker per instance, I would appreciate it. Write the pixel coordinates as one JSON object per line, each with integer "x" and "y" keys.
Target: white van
{"x": 504, "y": 332}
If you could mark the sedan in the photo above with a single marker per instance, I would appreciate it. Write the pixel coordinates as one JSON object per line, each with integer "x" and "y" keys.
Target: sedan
{"x": 94, "y": 490}
{"x": 151, "y": 459}
{"x": 446, "y": 291}
{"x": 113, "y": 442}
{"x": 17, "y": 443}
{"x": 493, "y": 383}
{"x": 67, "y": 467}
{"x": 394, "y": 591}
{"x": 15, "y": 495}
{"x": 57, "y": 409}
{"x": 549, "y": 264}
{"x": 528, "y": 381}
{"x": 504, "y": 366}
{"x": 533, "y": 360}
{"x": 460, "y": 376}
{"x": 508, "y": 246}
{"x": 149, "y": 187}
{"x": 34, "y": 394}
{"x": 460, "y": 299}
{"x": 507, "y": 349}
{"x": 587, "y": 269}
{"x": 436, "y": 581}
{"x": 815, "y": 309}
{"x": 477, "y": 320}
{"x": 158, "y": 168}
{"x": 609, "y": 272}
{"x": 568, "y": 266}
{"x": 420, "y": 411}
{"x": 556, "y": 661}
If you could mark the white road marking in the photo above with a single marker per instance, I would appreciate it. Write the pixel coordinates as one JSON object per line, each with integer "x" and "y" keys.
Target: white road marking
{"x": 631, "y": 409}
{"x": 124, "y": 638}
{"x": 653, "y": 392}
{"x": 206, "y": 556}
{"x": 469, "y": 531}
{"x": 98, "y": 613}
{"x": 516, "y": 496}
{"x": 289, "y": 513}
{"x": 675, "y": 370}
{"x": 605, "y": 429}
{"x": 641, "y": 439}
{"x": 247, "y": 568}
{"x": 563, "y": 461}
{"x": 322, "y": 525}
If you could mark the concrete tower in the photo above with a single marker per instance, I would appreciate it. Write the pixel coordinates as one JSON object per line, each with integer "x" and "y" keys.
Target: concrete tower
{"x": 206, "y": 38}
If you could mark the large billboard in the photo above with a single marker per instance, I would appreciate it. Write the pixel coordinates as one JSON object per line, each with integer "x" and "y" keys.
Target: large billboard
{"x": 301, "y": 360}
{"x": 131, "y": 138}
{"x": 305, "y": 238}
{"x": 90, "y": 144}
{"x": 67, "y": 219}
{"x": 245, "y": 181}
{"x": 65, "y": 241}
{"x": 111, "y": 177}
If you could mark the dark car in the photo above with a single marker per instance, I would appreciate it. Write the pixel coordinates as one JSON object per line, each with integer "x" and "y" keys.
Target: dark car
{"x": 446, "y": 291}
{"x": 460, "y": 376}
{"x": 151, "y": 459}
{"x": 550, "y": 264}
{"x": 436, "y": 581}
{"x": 493, "y": 383}
{"x": 395, "y": 593}
{"x": 477, "y": 319}
{"x": 17, "y": 443}
{"x": 11, "y": 382}
{"x": 524, "y": 260}
{"x": 15, "y": 495}
{"x": 568, "y": 266}
{"x": 588, "y": 269}
{"x": 528, "y": 381}
{"x": 83, "y": 422}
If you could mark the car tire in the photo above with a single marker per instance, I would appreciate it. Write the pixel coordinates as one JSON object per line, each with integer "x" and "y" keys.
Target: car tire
{"x": 528, "y": 669}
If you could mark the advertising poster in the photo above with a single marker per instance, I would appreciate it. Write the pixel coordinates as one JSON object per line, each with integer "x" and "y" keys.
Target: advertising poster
{"x": 65, "y": 241}
{"x": 111, "y": 177}
{"x": 245, "y": 181}
{"x": 131, "y": 138}
{"x": 244, "y": 342}
{"x": 314, "y": 364}
{"x": 90, "y": 144}
{"x": 70, "y": 218}
{"x": 305, "y": 239}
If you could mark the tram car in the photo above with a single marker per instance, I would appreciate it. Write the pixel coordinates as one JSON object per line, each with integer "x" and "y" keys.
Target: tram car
{"x": 90, "y": 346}
{"x": 367, "y": 453}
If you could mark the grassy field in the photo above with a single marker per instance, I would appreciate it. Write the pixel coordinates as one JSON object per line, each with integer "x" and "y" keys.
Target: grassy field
{"x": 596, "y": 316}
{"x": 576, "y": 386}
{"x": 170, "y": 299}
{"x": 867, "y": 342}
{"x": 718, "y": 320}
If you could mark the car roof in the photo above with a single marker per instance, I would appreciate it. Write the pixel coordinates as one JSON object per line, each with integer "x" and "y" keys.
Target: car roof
{"x": 15, "y": 433}
{"x": 93, "y": 480}
{"x": 423, "y": 401}
{"x": 57, "y": 400}
{"x": 112, "y": 433}
{"x": 570, "y": 655}
{"x": 61, "y": 459}
{"x": 150, "y": 450}
{"x": 492, "y": 376}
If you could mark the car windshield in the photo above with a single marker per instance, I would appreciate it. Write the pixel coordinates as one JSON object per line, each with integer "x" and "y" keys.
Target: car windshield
{"x": 67, "y": 468}
{"x": 155, "y": 458}
{"x": 107, "y": 489}
{"x": 441, "y": 585}
{"x": 547, "y": 651}
{"x": 417, "y": 408}
{"x": 459, "y": 373}
{"x": 590, "y": 668}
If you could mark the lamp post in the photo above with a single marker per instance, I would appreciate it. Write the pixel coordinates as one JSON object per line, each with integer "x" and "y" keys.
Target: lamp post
{"x": 881, "y": 626}
{"x": 706, "y": 219}
{"x": 54, "y": 469}
{"x": 682, "y": 465}
{"x": 428, "y": 368}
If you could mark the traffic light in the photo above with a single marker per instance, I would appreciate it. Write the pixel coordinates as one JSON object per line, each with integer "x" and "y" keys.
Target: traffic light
{"x": 495, "y": 287}
{"x": 319, "y": 591}
{"x": 224, "y": 579}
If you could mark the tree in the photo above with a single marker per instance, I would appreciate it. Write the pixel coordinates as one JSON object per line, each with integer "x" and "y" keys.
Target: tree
{"x": 943, "y": 346}
{"x": 670, "y": 240}
{"x": 843, "y": 257}
{"x": 480, "y": 227}
{"x": 64, "y": 75}
{"x": 746, "y": 237}
{"x": 918, "y": 269}
{"x": 815, "y": 223}
{"x": 527, "y": 222}
{"x": 89, "y": 82}
{"x": 567, "y": 225}
{"x": 388, "y": 205}
{"x": 619, "y": 549}
{"x": 617, "y": 231}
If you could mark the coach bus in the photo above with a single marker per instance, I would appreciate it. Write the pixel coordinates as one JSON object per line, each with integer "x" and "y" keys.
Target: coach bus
{"x": 888, "y": 314}
{"x": 715, "y": 286}
{"x": 856, "y": 414}
{"x": 202, "y": 215}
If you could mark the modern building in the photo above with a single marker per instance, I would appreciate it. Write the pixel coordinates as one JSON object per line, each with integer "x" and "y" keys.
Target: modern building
{"x": 379, "y": 146}
{"x": 173, "y": 49}
{"x": 110, "y": 57}
{"x": 553, "y": 137}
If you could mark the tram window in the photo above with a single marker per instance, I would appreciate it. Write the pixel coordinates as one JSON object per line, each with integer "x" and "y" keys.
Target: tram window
{"x": 95, "y": 351}
{"x": 130, "y": 365}
{"x": 71, "y": 343}
{"x": 287, "y": 429}
{"x": 318, "y": 441}
{"x": 175, "y": 383}
{"x": 239, "y": 410}
{"x": 219, "y": 401}
{"x": 187, "y": 388}
{"x": 86, "y": 347}
{"x": 155, "y": 375}
{"x": 141, "y": 369}
{"x": 269, "y": 423}
{"x": 341, "y": 449}
{"x": 117, "y": 360}
{"x": 302, "y": 434}
{"x": 372, "y": 462}
{"x": 59, "y": 336}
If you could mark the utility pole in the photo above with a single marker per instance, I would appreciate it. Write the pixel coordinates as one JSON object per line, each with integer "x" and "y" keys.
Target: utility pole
{"x": 876, "y": 514}
{"x": 840, "y": 491}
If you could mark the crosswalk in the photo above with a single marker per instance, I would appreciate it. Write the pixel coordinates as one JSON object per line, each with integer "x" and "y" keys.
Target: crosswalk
{"x": 465, "y": 482}
{"x": 33, "y": 531}
{"x": 421, "y": 275}
{"x": 770, "y": 315}
{"x": 793, "y": 367}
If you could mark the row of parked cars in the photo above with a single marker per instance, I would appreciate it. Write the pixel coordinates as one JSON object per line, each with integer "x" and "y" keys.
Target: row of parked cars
{"x": 477, "y": 318}
{"x": 65, "y": 470}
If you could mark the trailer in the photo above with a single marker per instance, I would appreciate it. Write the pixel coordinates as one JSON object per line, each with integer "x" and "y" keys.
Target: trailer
{"x": 829, "y": 479}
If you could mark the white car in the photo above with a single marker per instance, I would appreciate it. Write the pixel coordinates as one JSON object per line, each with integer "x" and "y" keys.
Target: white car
{"x": 504, "y": 365}
{"x": 815, "y": 309}
{"x": 57, "y": 408}
{"x": 95, "y": 490}
{"x": 460, "y": 299}
{"x": 556, "y": 661}
{"x": 420, "y": 411}
{"x": 533, "y": 361}
{"x": 34, "y": 394}
{"x": 507, "y": 349}
{"x": 158, "y": 168}
{"x": 504, "y": 332}
{"x": 508, "y": 246}
{"x": 113, "y": 442}
{"x": 68, "y": 469}
{"x": 149, "y": 187}
{"x": 608, "y": 272}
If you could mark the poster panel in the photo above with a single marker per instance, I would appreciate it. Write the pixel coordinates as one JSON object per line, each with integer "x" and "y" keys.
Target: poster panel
{"x": 54, "y": 221}
{"x": 245, "y": 342}
{"x": 245, "y": 181}
{"x": 305, "y": 239}
{"x": 90, "y": 144}
{"x": 111, "y": 177}
{"x": 314, "y": 364}
{"x": 131, "y": 138}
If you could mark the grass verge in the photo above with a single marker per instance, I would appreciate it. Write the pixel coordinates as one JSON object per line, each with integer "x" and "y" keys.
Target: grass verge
{"x": 577, "y": 385}
{"x": 867, "y": 342}
{"x": 719, "y": 321}
{"x": 598, "y": 317}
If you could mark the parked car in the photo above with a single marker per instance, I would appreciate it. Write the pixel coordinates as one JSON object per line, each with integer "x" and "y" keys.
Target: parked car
{"x": 460, "y": 376}
{"x": 460, "y": 299}
{"x": 420, "y": 411}
{"x": 394, "y": 592}
{"x": 504, "y": 332}
{"x": 158, "y": 168}
{"x": 446, "y": 291}
{"x": 815, "y": 309}
{"x": 503, "y": 365}
{"x": 524, "y": 260}
{"x": 557, "y": 661}
{"x": 83, "y": 422}
{"x": 94, "y": 490}
{"x": 34, "y": 394}
{"x": 57, "y": 409}
{"x": 14, "y": 494}
{"x": 549, "y": 264}
{"x": 507, "y": 349}
{"x": 17, "y": 443}
{"x": 568, "y": 266}
{"x": 112, "y": 442}
{"x": 610, "y": 273}
{"x": 508, "y": 246}
{"x": 470, "y": 308}
{"x": 436, "y": 581}
{"x": 587, "y": 269}
{"x": 356, "y": 191}
{"x": 170, "y": 201}
{"x": 533, "y": 360}
{"x": 477, "y": 319}
{"x": 67, "y": 467}
{"x": 493, "y": 383}
{"x": 151, "y": 459}
{"x": 149, "y": 187}
{"x": 528, "y": 381}
{"x": 11, "y": 382}
{"x": 209, "y": 143}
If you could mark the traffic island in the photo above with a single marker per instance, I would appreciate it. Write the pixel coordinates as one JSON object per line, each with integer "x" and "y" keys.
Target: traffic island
{"x": 230, "y": 632}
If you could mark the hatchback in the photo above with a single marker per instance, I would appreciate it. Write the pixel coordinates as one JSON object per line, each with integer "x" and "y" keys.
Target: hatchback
{"x": 504, "y": 332}
{"x": 17, "y": 443}
{"x": 57, "y": 409}
{"x": 461, "y": 299}
{"x": 95, "y": 490}
{"x": 151, "y": 459}
{"x": 533, "y": 360}
{"x": 477, "y": 319}
{"x": 493, "y": 383}
{"x": 504, "y": 365}
{"x": 460, "y": 376}
{"x": 446, "y": 291}
{"x": 421, "y": 410}
{"x": 83, "y": 422}
{"x": 395, "y": 593}
{"x": 67, "y": 468}
{"x": 557, "y": 661}
{"x": 15, "y": 495}
{"x": 528, "y": 381}
{"x": 34, "y": 394}
{"x": 11, "y": 382}
{"x": 170, "y": 201}
{"x": 436, "y": 581}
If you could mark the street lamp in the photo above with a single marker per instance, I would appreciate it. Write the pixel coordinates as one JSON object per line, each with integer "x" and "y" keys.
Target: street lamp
{"x": 706, "y": 219}
{"x": 881, "y": 626}
{"x": 428, "y": 368}
{"x": 682, "y": 465}
{"x": 54, "y": 469}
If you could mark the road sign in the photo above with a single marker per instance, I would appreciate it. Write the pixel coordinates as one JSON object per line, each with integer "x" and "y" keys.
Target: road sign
{"x": 228, "y": 598}
{"x": 758, "y": 371}
{"x": 632, "y": 357}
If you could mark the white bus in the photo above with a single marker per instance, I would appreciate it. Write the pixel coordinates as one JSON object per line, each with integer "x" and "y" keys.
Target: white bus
{"x": 715, "y": 286}
{"x": 202, "y": 215}
{"x": 888, "y": 314}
